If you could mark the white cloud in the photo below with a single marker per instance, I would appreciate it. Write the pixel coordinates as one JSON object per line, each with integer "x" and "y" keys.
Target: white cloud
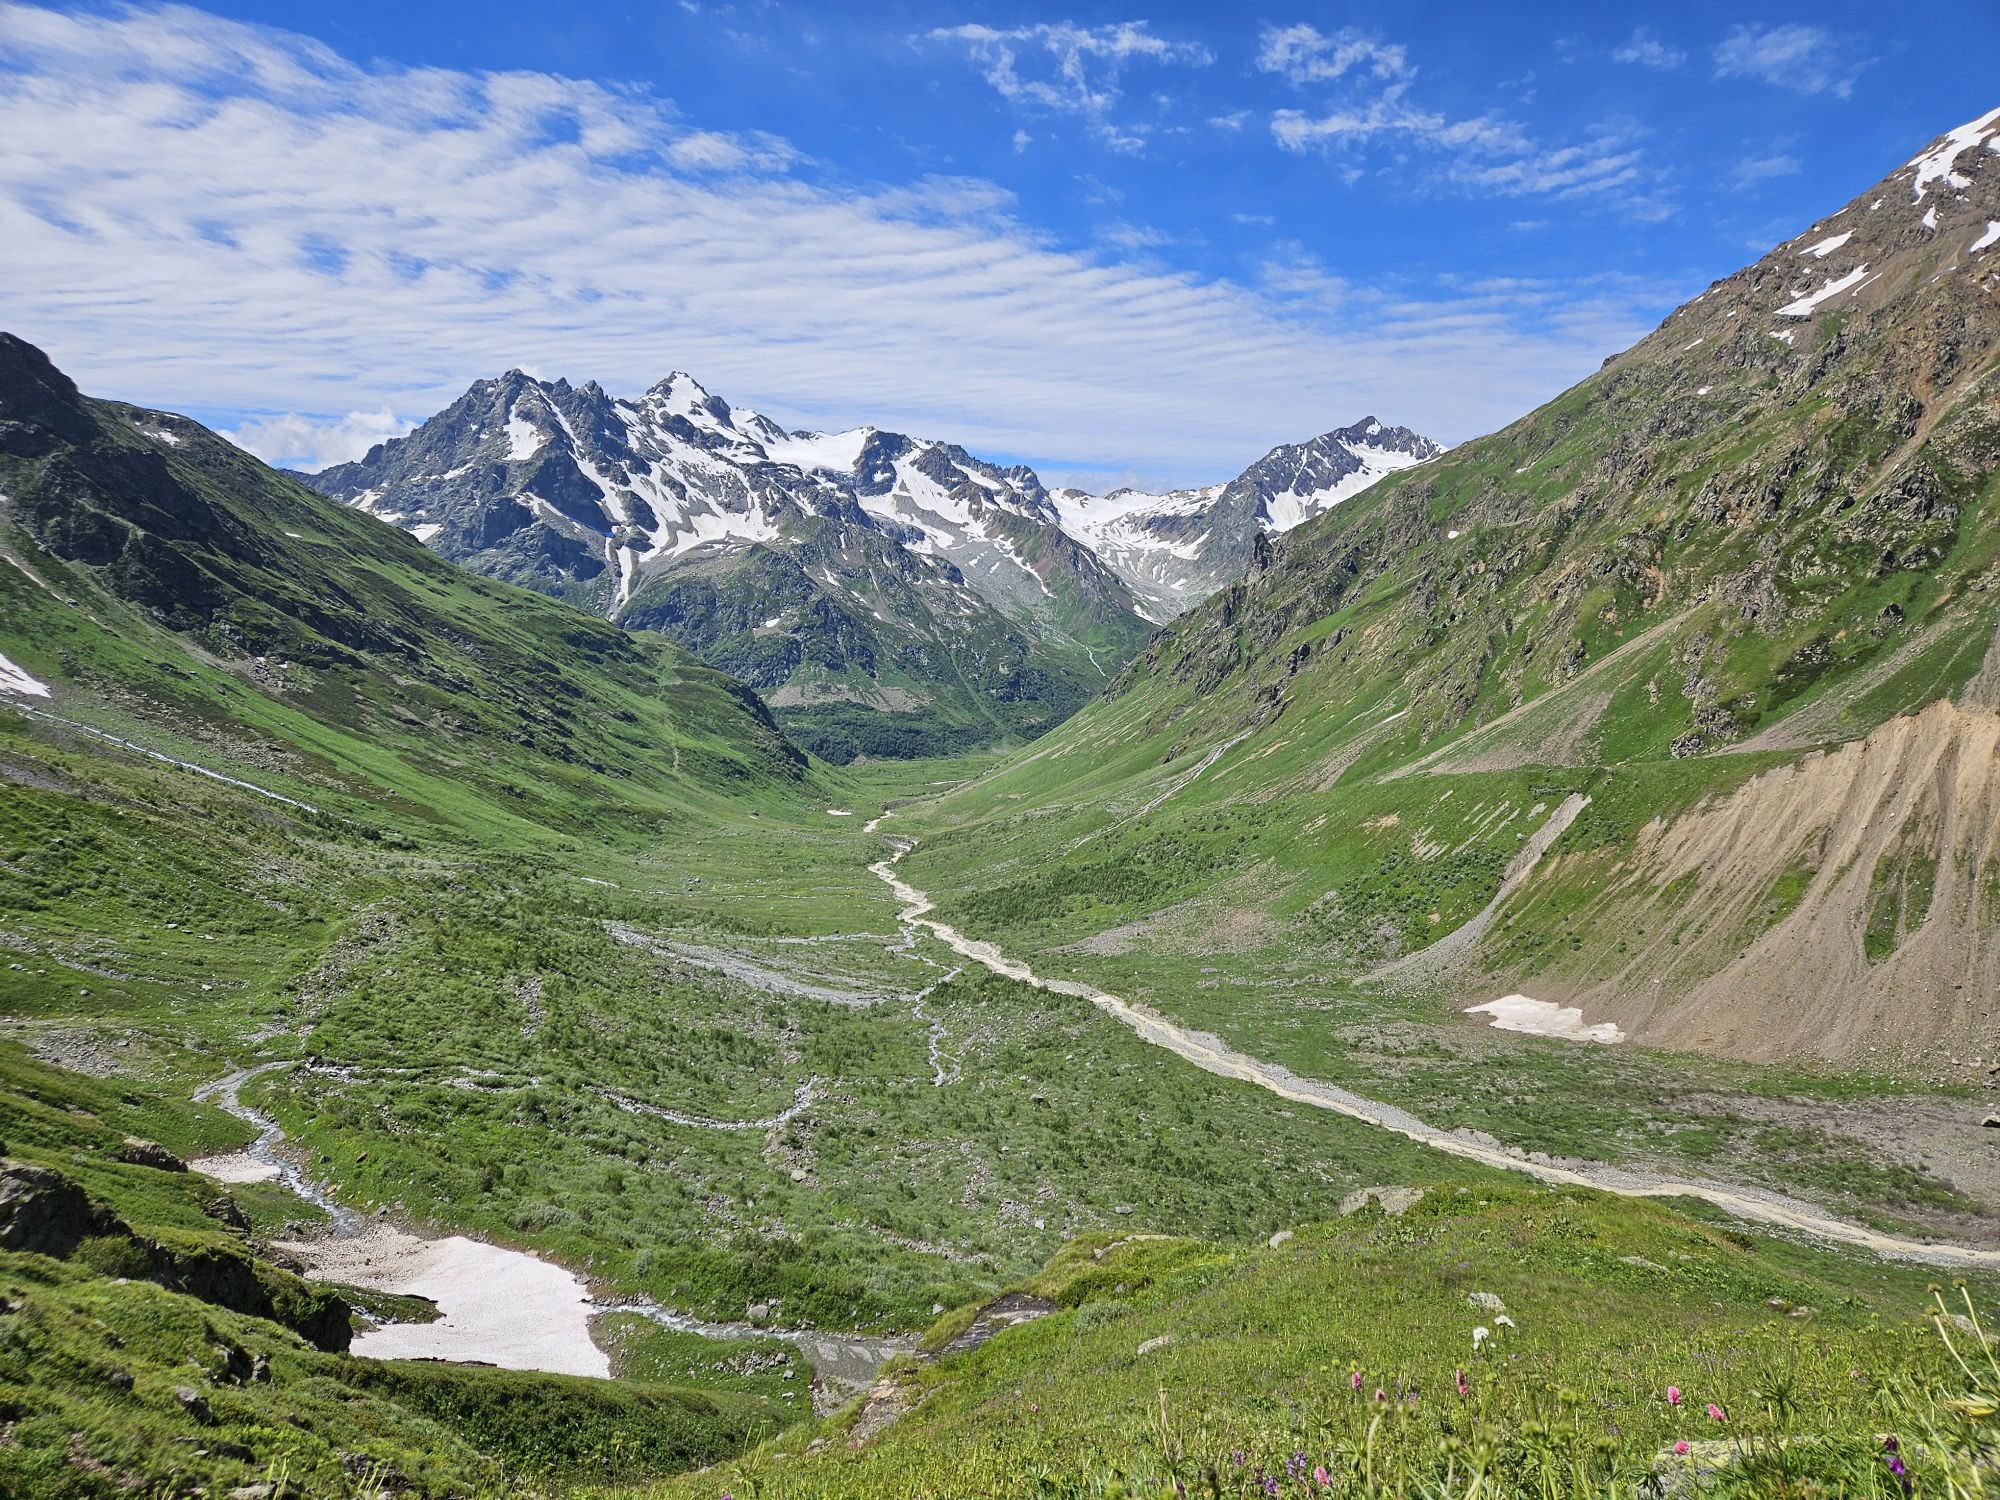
{"x": 1304, "y": 55}
{"x": 725, "y": 151}
{"x": 292, "y": 441}
{"x": 1065, "y": 68}
{"x": 1485, "y": 153}
{"x": 1756, "y": 169}
{"x": 1234, "y": 120}
{"x": 235, "y": 221}
{"x": 1022, "y": 140}
{"x": 1805, "y": 59}
{"x": 1647, "y": 50}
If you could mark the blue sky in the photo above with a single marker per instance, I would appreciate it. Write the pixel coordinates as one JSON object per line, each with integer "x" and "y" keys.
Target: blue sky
{"x": 1131, "y": 244}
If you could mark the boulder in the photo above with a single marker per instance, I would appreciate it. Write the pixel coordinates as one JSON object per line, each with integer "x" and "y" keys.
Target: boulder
{"x": 44, "y": 1213}
{"x": 143, "y": 1153}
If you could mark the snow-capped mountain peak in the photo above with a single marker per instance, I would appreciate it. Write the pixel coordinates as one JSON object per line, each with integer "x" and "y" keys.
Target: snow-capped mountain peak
{"x": 1176, "y": 547}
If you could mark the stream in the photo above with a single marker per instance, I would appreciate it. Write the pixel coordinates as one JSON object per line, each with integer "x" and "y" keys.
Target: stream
{"x": 1213, "y": 1055}
{"x": 496, "y": 1306}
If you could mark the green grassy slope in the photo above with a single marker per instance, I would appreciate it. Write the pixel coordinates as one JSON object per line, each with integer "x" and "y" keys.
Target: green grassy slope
{"x": 1664, "y": 592}
{"x": 174, "y": 591}
{"x": 1176, "y": 1367}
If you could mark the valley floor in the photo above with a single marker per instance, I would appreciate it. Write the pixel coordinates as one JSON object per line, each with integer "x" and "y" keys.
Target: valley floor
{"x": 772, "y": 1120}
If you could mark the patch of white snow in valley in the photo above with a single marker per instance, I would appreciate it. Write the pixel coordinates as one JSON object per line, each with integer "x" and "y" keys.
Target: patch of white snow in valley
{"x": 171, "y": 439}
{"x": 1803, "y": 306}
{"x": 1936, "y": 164}
{"x": 1828, "y": 245}
{"x": 1703, "y": 390}
{"x": 839, "y": 812}
{"x": 524, "y": 439}
{"x": 1545, "y": 1018}
{"x": 499, "y": 1306}
{"x": 235, "y": 1166}
{"x": 425, "y": 530}
{"x": 14, "y": 680}
{"x": 837, "y": 452}
{"x": 1930, "y": 218}
{"x": 1991, "y": 237}
{"x": 772, "y": 621}
{"x": 1782, "y": 335}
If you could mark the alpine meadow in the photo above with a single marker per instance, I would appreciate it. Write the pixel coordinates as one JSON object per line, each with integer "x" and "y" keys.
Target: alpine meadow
{"x": 1373, "y": 871}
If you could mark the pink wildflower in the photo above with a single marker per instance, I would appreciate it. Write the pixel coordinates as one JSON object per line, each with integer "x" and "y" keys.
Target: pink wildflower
{"x": 1464, "y": 1386}
{"x": 1673, "y": 1395}
{"x": 1321, "y": 1477}
{"x": 1715, "y": 1413}
{"x": 1354, "y": 1380}
{"x": 1681, "y": 1447}
{"x": 1380, "y": 1394}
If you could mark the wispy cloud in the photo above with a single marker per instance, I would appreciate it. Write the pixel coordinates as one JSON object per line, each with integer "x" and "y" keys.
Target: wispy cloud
{"x": 1487, "y": 153}
{"x": 1647, "y": 50}
{"x": 1755, "y": 169}
{"x": 292, "y": 441}
{"x": 725, "y": 151}
{"x": 1303, "y": 54}
{"x": 1064, "y": 68}
{"x": 240, "y": 222}
{"x": 1805, "y": 59}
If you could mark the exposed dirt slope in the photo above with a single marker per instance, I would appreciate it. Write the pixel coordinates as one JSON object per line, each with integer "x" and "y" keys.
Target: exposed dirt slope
{"x": 1842, "y": 906}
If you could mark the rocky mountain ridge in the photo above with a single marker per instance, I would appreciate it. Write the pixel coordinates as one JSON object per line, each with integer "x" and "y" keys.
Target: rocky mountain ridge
{"x": 887, "y": 594}
{"x": 1175, "y": 549}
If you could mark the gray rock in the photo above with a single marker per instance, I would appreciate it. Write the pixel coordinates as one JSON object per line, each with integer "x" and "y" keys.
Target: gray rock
{"x": 142, "y": 1153}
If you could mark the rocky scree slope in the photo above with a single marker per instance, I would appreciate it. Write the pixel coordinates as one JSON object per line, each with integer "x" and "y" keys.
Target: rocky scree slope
{"x": 885, "y": 594}
{"x": 159, "y": 577}
{"x": 1175, "y": 549}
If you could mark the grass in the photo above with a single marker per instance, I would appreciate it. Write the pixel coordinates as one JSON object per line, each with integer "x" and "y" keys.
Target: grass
{"x": 92, "y": 1371}
{"x": 1176, "y": 1367}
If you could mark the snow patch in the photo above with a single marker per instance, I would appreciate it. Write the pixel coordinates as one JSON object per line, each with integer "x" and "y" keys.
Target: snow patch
{"x": 500, "y": 1306}
{"x": 524, "y": 439}
{"x": 834, "y": 452}
{"x": 1991, "y": 237}
{"x": 1828, "y": 245}
{"x": 425, "y": 530}
{"x": 1545, "y": 1018}
{"x": 1803, "y": 307}
{"x": 14, "y": 680}
{"x": 1936, "y": 164}
{"x": 839, "y": 812}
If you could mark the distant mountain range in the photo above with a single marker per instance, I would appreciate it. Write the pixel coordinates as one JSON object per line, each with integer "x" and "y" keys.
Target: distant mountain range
{"x": 888, "y": 595}
{"x": 1175, "y": 549}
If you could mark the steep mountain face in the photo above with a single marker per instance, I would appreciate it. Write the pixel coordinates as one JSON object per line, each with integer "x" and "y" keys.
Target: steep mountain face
{"x": 163, "y": 580}
{"x": 885, "y": 594}
{"x": 1771, "y": 527}
{"x": 1175, "y": 549}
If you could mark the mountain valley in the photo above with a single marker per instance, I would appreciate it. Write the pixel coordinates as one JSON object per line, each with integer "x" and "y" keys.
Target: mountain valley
{"x": 818, "y": 966}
